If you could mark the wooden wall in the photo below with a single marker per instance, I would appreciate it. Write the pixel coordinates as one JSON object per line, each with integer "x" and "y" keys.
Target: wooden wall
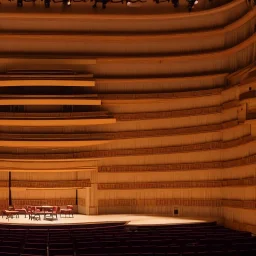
{"x": 185, "y": 129}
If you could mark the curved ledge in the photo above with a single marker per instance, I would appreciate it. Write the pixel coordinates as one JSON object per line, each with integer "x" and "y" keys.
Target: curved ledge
{"x": 50, "y": 184}
{"x": 49, "y": 60}
{"x": 217, "y": 17}
{"x": 48, "y": 100}
{"x": 108, "y": 98}
{"x": 54, "y": 115}
{"x": 55, "y": 119}
{"x": 19, "y": 119}
{"x": 215, "y": 145}
{"x": 167, "y": 114}
{"x": 65, "y": 165}
{"x": 134, "y": 44}
{"x": 48, "y": 143}
{"x": 154, "y": 84}
{"x": 221, "y": 61}
{"x": 91, "y": 118}
{"x": 11, "y": 139}
{"x": 179, "y": 166}
{"x": 35, "y": 170}
{"x": 251, "y": 181}
{"x": 248, "y": 204}
{"x": 56, "y": 122}
{"x": 45, "y": 82}
{"x": 176, "y": 113}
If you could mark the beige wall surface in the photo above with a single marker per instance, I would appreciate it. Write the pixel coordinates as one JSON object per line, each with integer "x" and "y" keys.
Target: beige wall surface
{"x": 155, "y": 120}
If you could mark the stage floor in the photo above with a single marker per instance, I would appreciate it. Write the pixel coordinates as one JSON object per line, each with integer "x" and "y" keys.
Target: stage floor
{"x": 129, "y": 218}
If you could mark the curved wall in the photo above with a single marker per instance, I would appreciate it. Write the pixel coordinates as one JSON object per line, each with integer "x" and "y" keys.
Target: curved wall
{"x": 169, "y": 22}
{"x": 174, "y": 126}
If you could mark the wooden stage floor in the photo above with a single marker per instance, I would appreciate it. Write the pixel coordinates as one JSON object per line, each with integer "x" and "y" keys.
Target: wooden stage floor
{"x": 129, "y": 218}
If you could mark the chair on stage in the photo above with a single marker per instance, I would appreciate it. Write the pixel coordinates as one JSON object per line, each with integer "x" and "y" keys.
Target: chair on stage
{"x": 52, "y": 212}
{"x": 10, "y": 212}
{"x": 21, "y": 210}
{"x": 34, "y": 213}
{"x": 68, "y": 211}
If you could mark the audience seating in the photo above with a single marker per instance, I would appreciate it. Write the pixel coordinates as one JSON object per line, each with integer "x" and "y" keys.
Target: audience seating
{"x": 208, "y": 239}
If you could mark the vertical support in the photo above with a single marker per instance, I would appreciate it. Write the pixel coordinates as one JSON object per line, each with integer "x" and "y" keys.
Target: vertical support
{"x": 92, "y": 195}
{"x": 10, "y": 191}
{"x": 242, "y": 113}
{"x": 76, "y": 197}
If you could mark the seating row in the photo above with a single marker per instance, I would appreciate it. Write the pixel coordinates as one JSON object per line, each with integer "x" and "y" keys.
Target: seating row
{"x": 120, "y": 239}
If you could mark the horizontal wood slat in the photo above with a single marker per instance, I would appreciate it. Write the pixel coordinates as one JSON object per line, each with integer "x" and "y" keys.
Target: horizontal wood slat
{"x": 48, "y": 201}
{"x": 215, "y": 145}
{"x": 50, "y": 184}
{"x": 121, "y": 135}
{"x": 179, "y": 166}
{"x": 248, "y": 204}
{"x": 251, "y": 181}
{"x": 163, "y": 95}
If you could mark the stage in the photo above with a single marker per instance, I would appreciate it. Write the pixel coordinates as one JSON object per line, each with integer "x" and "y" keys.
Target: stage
{"x": 89, "y": 219}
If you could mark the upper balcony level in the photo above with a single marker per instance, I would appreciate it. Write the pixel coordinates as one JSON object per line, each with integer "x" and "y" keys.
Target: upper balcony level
{"x": 120, "y": 18}
{"x": 124, "y": 44}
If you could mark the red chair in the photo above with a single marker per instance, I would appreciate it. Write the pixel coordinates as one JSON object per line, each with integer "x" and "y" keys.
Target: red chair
{"x": 51, "y": 212}
{"x": 34, "y": 213}
{"x": 68, "y": 211}
{"x": 55, "y": 211}
{"x": 21, "y": 210}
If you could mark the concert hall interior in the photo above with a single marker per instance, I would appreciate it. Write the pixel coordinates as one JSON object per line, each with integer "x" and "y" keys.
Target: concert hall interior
{"x": 128, "y": 128}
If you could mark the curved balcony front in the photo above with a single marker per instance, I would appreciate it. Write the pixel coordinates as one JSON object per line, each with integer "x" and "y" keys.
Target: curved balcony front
{"x": 55, "y": 119}
{"x": 85, "y": 99}
{"x": 132, "y": 43}
{"x": 44, "y": 82}
{"x": 154, "y": 19}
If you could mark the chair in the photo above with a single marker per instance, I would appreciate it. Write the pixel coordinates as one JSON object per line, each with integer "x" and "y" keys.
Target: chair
{"x": 10, "y": 213}
{"x": 68, "y": 211}
{"x": 34, "y": 213}
{"x": 53, "y": 212}
{"x": 21, "y": 210}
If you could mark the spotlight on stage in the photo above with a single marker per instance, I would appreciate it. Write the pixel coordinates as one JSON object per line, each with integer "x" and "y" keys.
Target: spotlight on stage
{"x": 67, "y": 2}
{"x": 19, "y": 3}
{"x": 47, "y": 3}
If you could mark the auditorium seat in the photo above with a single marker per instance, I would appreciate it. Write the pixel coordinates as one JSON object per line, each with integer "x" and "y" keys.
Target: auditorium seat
{"x": 34, "y": 251}
{"x": 90, "y": 240}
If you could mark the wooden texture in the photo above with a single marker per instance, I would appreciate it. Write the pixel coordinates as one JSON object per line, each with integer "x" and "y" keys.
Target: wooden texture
{"x": 251, "y": 181}
{"x": 175, "y": 116}
{"x": 50, "y": 184}
{"x": 180, "y": 166}
{"x": 48, "y": 201}
{"x": 251, "y": 204}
